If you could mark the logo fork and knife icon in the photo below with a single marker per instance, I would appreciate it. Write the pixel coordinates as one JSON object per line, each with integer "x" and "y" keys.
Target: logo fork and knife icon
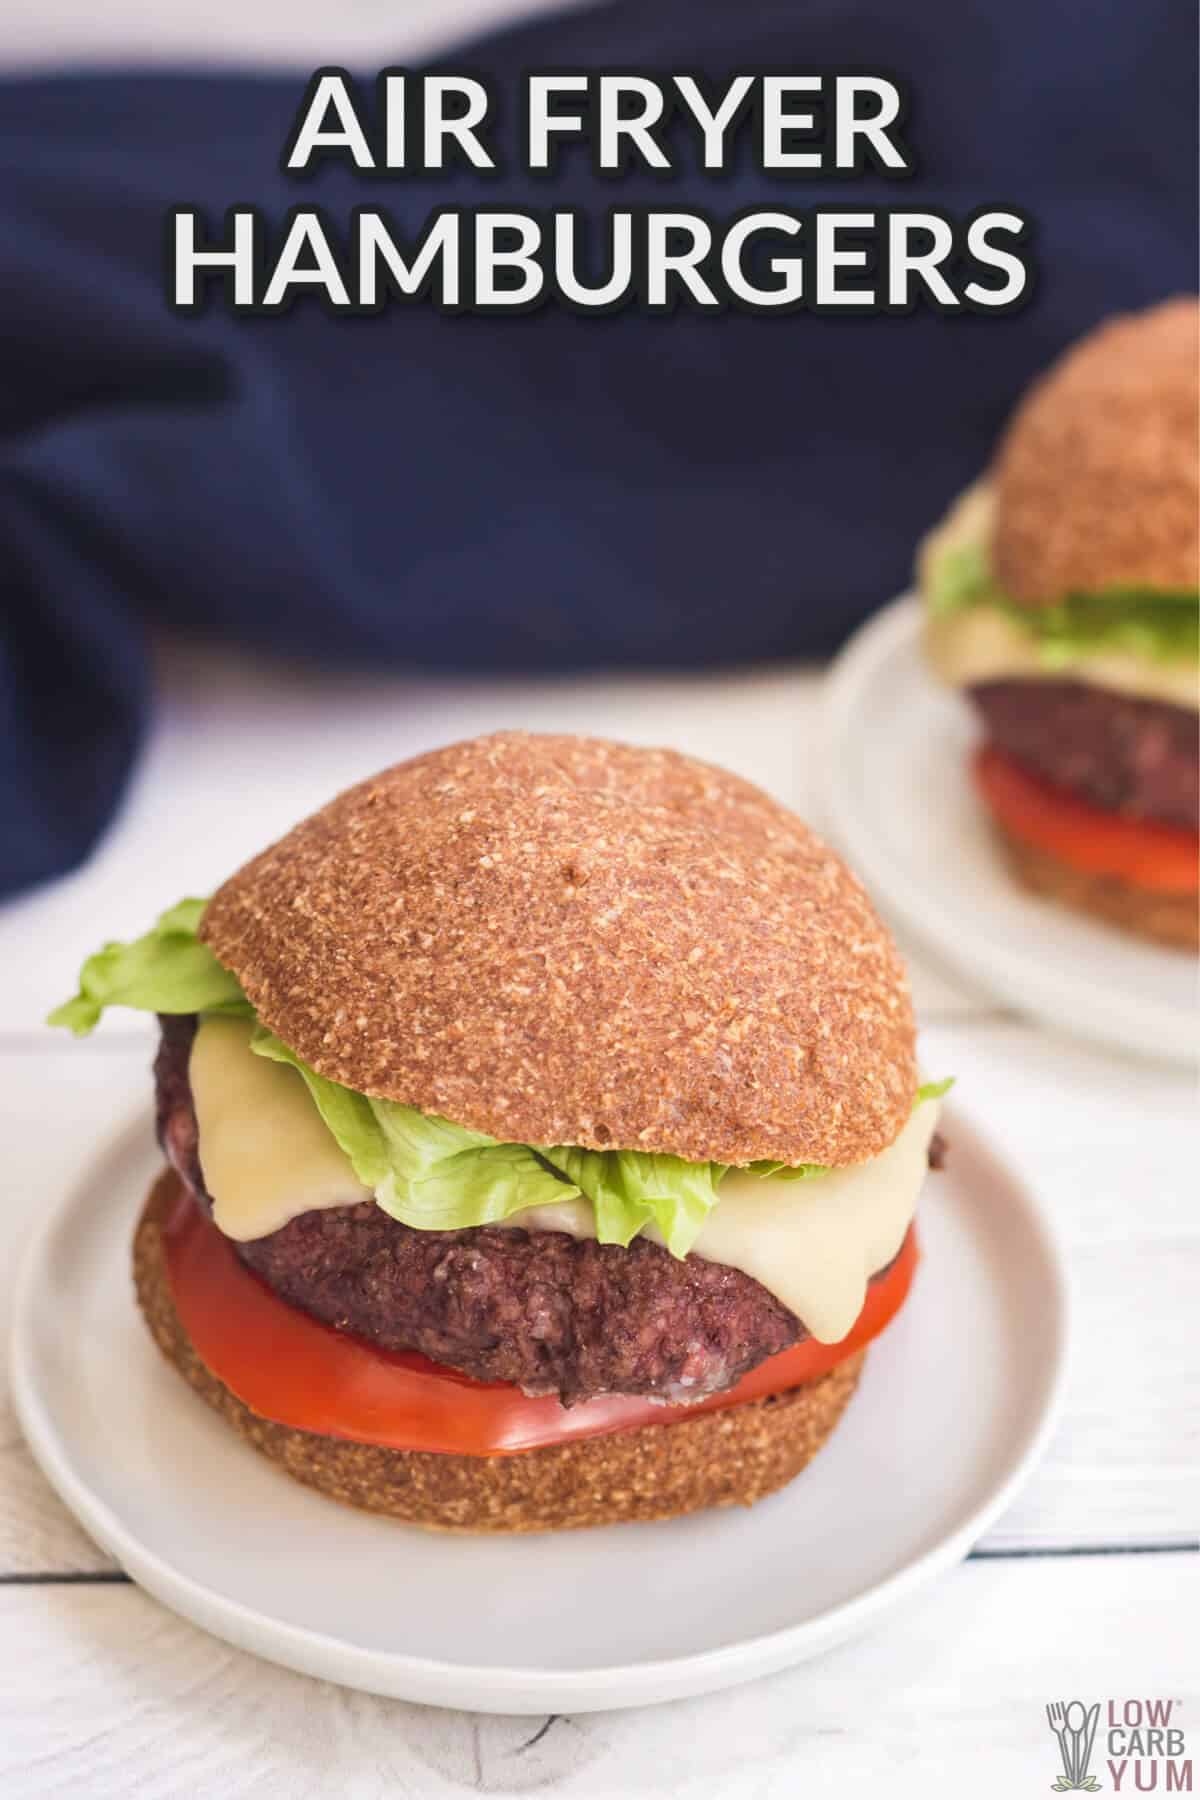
{"x": 1074, "y": 1725}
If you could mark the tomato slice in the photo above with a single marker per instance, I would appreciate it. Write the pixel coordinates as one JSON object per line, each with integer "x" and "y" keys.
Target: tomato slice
{"x": 296, "y": 1371}
{"x": 1162, "y": 858}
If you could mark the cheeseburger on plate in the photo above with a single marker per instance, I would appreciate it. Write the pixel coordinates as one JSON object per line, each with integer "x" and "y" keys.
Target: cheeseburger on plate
{"x": 1061, "y": 595}
{"x": 544, "y": 1135}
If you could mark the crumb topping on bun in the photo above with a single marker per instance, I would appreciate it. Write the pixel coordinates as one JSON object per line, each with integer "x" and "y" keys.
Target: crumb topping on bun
{"x": 1097, "y": 479}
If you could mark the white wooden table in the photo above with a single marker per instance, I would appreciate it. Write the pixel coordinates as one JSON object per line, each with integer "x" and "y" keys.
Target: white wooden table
{"x": 1087, "y": 1586}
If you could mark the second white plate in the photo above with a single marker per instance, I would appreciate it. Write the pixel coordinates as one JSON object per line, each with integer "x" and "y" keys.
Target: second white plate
{"x": 898, "y": 800}
{"x": 954, "y": 1405}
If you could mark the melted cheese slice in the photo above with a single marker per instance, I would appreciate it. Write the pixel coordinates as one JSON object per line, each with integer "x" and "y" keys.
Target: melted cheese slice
{"x": 268, "y": 1156}
{"x": 266, "y": 1152}
{"x": 982, "y": 643}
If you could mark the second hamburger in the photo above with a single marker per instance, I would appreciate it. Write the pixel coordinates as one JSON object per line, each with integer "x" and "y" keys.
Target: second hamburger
{"x": 1061, "y": 595}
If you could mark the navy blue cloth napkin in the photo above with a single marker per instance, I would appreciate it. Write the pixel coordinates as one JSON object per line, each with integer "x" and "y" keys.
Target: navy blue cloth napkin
{"x": 542, "y": 492}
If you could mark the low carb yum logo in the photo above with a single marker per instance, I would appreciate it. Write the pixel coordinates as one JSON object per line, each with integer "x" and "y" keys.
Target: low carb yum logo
{"x": 1145, "y": 1746}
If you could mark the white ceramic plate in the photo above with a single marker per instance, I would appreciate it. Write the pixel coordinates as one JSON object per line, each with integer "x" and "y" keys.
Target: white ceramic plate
{"x": 897, "y": 798}
{"x": 953, "y": 1408}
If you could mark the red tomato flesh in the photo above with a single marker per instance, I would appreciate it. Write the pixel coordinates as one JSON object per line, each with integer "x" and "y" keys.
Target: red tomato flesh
{"x": 296, "y": 1371}
{"x": 1162, "y": 858}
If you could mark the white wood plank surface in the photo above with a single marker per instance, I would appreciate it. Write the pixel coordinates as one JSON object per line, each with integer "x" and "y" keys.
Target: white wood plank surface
{"x": 110, "y": 1695}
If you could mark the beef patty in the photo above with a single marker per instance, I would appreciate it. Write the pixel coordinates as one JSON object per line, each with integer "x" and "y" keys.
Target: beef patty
{"x": 1135, "y": 757}
{"x": 548, "y": 1312}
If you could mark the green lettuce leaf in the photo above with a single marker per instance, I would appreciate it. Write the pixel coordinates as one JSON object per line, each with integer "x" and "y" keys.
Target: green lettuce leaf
{"x": 788, "y": 1171}
{"x": 1160, "y": 625}
{"x": 426, "y": 1172}
{"x": 962, "y": 576}
{"x": 168, "y": 970}
{"x": 630, "y": 1189}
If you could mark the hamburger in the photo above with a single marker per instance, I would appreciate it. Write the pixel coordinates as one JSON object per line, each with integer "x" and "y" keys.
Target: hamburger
{"x": 1061, "y": 596}
{"x": 543, "y": 1135}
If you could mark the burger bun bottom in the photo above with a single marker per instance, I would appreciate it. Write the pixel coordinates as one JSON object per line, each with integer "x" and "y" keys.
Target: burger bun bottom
{"x": 1172, "y": 919}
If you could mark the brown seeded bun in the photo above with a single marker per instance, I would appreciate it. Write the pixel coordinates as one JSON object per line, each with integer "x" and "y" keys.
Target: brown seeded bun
{"x": 727, "y": 1458}
{"x": 560, "y": 940}
{"x": 1097, "y": 479}
{"x": 1172, "y": 919}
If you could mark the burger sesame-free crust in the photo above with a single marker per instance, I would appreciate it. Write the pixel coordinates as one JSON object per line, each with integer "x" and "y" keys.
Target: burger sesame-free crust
{"x": 561, "y": 940}
{"x": 1097, "y": 479}
{"x": 725, "y": 1458}
{"x": 1172, "y": 919}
